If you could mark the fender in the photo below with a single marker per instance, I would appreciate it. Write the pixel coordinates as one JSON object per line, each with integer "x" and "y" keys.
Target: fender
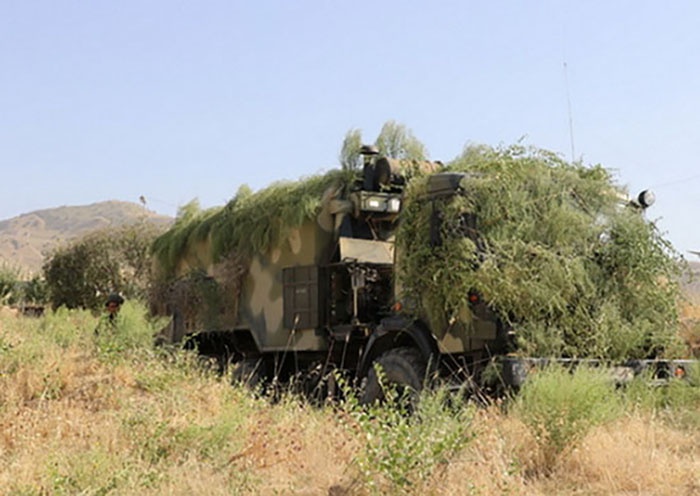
{"x": 398, "y": 331}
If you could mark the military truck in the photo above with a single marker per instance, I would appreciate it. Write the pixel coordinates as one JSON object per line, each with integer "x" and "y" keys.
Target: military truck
{"x": 326, "y": 297}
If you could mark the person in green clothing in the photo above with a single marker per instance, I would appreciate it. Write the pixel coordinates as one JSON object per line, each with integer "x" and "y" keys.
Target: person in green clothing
{"x": 110, "y": 319}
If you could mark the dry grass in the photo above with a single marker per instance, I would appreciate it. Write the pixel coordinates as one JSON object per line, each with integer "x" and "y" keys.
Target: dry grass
{"x": 638, "y": 455}
{"x": 74, "y": 421}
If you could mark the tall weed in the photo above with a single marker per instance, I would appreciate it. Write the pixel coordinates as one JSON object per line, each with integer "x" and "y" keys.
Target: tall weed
{"x": 65, "y": 328}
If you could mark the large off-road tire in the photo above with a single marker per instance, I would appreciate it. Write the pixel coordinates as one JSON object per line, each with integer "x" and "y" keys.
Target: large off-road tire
{"x": 403, "y": 371}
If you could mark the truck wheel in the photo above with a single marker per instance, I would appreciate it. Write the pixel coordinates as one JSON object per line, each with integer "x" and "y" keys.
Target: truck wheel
{"x": 249, "y": 372}
{"x": 403, "y": 372}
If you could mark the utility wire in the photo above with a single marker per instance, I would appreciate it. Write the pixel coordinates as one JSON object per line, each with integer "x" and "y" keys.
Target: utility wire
{"x": 676, "y": 181}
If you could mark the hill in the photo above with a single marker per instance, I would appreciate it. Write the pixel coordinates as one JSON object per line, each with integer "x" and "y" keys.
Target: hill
{"x": 691, "y": 285}
{"x": 25, "y": 239}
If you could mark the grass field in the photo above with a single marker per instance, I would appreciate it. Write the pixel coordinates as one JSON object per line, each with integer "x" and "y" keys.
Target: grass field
{"x": 109, "y": 414}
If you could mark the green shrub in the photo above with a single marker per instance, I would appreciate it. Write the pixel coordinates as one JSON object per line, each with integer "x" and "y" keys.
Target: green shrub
{"x": 676, "y": 401}
{"x": 132, "y": 332}
{"x": 561, "y": 407}
{"x": 401, "y": 451}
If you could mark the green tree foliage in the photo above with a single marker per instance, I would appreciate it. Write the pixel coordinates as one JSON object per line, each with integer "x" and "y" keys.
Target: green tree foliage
{"x": 81, "y": 273}
{"x": 553, "y": 252}
{"x": 32, "y": 292}
{"x": 394, "y": 141}
{"x": 350, "y": 158}
{"x": 397, "y": 141}
{"x": 9, "y": 282}
{"x": 15, "y": 290}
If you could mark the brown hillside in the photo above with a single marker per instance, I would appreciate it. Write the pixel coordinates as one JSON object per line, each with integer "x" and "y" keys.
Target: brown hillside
{"x": 691, "y": 284}
{"x": 25, "y": 239}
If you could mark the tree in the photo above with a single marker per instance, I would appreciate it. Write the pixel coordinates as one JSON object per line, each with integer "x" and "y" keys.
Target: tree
{"x": 394, "y": 140}
{"x": 350, "y": 152}
{"x": 397, "y": 141}
{"x": 80, "y": 274}
{"x": 34, "y": 291}
{"x": 9, "y": 280}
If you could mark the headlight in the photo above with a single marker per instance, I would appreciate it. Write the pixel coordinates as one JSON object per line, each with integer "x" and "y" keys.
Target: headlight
{"x": 379, "y": 202}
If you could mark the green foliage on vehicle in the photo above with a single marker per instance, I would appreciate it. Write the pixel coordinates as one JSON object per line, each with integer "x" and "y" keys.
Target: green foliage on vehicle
{"x": 249, "y": 223}
{"x": 552, "y": 250}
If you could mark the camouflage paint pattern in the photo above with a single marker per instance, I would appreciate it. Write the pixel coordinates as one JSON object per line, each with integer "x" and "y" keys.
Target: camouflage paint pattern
{"x": 261, "y": 304}
{"x": 261, "y": 308}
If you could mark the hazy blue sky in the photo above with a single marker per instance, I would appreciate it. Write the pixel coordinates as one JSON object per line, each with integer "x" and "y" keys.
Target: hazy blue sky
{"x": 178, "y": 100}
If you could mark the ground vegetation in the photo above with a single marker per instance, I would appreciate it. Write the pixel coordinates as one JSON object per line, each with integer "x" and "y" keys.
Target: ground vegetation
{"x": 111, "y": 414}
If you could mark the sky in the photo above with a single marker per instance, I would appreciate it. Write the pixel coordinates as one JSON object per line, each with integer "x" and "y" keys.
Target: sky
{"x": 181, "y": 100}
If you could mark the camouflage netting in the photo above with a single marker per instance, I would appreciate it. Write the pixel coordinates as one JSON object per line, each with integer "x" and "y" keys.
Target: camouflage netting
{"x": 204, "y": 257}
{"x": 203, "y": 298}
{"x": 559, "y": 258}
{"x": 250, "y": 223}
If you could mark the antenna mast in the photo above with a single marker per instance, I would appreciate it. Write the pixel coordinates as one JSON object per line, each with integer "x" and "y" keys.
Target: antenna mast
{"x": 568, "y": 104}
